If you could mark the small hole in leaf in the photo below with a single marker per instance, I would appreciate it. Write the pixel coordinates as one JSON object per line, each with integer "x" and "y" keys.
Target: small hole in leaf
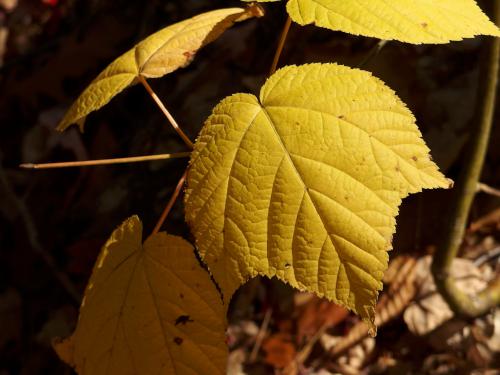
{"x": 183, "y": 319}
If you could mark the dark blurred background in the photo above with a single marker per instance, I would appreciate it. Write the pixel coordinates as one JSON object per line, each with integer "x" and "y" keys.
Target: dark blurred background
{"x": 52, "y": 223}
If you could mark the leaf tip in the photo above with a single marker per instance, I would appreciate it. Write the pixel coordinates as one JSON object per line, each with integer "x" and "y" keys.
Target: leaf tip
{"x": 252, "y": 10}
{"x": 372, "y": 331}
{"x": 133, "y": 221}
{"x": 62, "y": 126}
{"x": 369, "y": 318}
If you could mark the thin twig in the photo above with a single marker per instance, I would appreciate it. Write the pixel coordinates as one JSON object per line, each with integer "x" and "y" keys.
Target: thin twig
{"x": 281, "y": 44}
{"x": 304, "y": 353}
{"x": 170, "y": 203}
{"x": 88, "y": 163}
{"x": 465, "y": 191}
{"x": 374, "y": 51}
{"x": 488, "y": 189}
{"x": 32, "y": 236}
{"x": 491, "y": 219}
{"x": 165, "y": 111}
{"x": 488, "y": 256}
{"x": 260, "y": 336}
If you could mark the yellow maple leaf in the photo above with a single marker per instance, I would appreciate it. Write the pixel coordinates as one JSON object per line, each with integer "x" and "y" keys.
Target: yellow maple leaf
{"x": 148, "y": 309}
{"x": 305, "y": 184}
{"x": 162, "y": 52}
{"x": 412, "y": 21}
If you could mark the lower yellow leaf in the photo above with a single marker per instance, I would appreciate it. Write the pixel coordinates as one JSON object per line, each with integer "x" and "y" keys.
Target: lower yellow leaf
{"x": 148, "y": 309}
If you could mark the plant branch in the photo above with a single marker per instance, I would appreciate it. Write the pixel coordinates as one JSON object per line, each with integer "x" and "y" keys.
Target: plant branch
{"x": 488, "y": 189}
{"x": 170, "y": 203}
{"x": 165, "y": 111}
{"x": 465, "y": 190}
{"x": 87, "y": 163}
{"x": 260, "y": 336}
{"x": 281, "y": 44}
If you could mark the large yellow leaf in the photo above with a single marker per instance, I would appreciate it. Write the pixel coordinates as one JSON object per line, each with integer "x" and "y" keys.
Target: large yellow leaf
{"x": 148, "y": 309}
{"x": 305, "y": 184}
{"x": 412, "y": 21}
{"x": 162, "y": 52}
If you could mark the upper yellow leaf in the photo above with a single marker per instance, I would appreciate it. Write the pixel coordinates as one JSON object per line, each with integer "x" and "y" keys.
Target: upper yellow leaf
{"x": 148, "y": 309}
{"x": 305, "y": 184}
{"x": 412, "y": 21}
{"x": 162, "y": 52}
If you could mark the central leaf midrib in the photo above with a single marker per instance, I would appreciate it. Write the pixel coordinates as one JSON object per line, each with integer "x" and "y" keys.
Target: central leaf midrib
{"x": 306, "y": 189}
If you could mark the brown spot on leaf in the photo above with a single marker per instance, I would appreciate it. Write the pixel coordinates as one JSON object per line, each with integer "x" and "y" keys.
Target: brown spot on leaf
{"x": 178, "y": 340}
{"x": 181, "y": 295}
{"x": 424, "y": 24}
{"x": 414, "y": 158}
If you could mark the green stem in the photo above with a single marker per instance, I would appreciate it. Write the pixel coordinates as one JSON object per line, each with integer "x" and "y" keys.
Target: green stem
{"x": 464, "y": 193}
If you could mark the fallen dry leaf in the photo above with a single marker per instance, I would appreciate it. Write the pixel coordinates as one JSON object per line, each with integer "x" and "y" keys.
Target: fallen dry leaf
{"x": 280, "y": 351}
{"x": 429, "y": 310}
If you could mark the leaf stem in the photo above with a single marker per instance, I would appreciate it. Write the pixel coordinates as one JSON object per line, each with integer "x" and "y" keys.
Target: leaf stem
{"x": 86, "y": 163}
{"x": 260, "y": 336}
{"x": 465, "y": 190}
{"x": 170, "y": 203}
{"x": 281, "y": 44}
{"x": 165, "y": 111}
